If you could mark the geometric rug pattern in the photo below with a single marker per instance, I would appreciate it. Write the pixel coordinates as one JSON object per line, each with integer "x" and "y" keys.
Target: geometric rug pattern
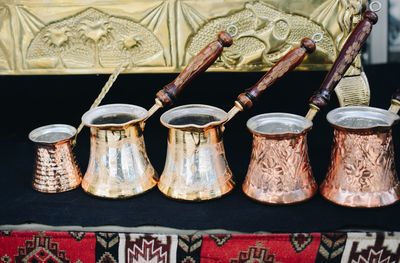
{"x": 100, "y": 247}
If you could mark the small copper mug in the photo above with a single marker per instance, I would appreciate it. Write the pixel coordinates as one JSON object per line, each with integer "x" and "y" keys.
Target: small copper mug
{"x": 56, "y": 169}
{"x": 279, "y": 171}
{"x": 362, "y": 171}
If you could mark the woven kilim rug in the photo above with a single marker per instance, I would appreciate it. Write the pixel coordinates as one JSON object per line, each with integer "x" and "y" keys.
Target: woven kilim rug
{"x": 82, "y": 247}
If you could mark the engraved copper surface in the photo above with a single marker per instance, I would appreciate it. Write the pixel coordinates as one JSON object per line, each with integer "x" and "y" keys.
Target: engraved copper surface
{"x": 56, "y": 169}
{"x": 362, "y": 172}
{"x": 118, "y": 164}
{"x": 195, "y": 167}
{"x": 279, "y": 171}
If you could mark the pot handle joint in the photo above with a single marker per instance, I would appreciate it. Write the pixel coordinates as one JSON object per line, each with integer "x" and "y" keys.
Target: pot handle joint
{"x": 197, "y": 65}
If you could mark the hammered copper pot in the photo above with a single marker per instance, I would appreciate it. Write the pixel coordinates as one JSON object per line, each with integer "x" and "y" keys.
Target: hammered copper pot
{"x": 56, "y": 169}
{"x": 362, "y": 171}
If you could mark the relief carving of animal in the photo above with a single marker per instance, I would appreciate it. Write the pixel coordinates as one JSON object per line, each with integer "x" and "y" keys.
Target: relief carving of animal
{"x": 264, "y": 35}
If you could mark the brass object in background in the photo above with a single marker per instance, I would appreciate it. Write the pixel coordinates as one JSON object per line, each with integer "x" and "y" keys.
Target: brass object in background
{"x": 362, "y": 171}
{"x": 90, "y": 37}
{"x": 56, "y": 169}
{"x": 118, "y": 164}
{"x": 279, "y": 171}
{"x": 72, "y": 36}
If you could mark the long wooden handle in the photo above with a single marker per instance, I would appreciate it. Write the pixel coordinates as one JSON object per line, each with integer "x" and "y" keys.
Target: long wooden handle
{"x": 197, "y": 65}
{"x": 283, "y": 66}
{"x": 344, "y": 59}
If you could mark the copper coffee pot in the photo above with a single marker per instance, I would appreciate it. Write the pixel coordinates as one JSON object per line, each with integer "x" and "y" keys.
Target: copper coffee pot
{"x": 279, "y": 171}
{"x": 118, "y": 165}
{"x": 56, "y": 169}
{"x": 196, "y": 167}
{"x": 362, "y": 171}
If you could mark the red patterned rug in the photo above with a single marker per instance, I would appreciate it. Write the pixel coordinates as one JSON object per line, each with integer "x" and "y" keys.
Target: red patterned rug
{"x": 82, "y": 247}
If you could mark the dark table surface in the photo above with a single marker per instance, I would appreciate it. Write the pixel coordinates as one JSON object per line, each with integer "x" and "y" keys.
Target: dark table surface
{"x": 32, "y": 101}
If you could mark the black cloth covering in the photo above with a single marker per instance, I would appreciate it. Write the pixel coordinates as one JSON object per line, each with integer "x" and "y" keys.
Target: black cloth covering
{"x": 32, "y": 101}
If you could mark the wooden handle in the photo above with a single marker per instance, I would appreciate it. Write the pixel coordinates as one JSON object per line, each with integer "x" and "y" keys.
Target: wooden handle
{"x": 197, "y": 65}
{"x": 344, "y": 59}
{"x": 283, "y": 66}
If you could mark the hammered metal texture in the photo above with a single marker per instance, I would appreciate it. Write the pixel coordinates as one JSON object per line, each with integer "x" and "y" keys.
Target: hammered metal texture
{"x": 118, "y": 165}
{"x": 196, "y": 168}
{"x": 362, "y": 172}
{"x": 279, "y": 171}
{"x": 56, "y": 169}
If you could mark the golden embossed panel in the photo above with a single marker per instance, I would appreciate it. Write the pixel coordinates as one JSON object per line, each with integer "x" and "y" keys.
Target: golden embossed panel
{"x": 80, "y": 37}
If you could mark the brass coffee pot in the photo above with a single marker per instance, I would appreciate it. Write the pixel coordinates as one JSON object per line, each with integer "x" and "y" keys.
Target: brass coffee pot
{"x": 362, "y": 171}
{"x": 196, "y": 167}
{"x": 118, "y": 165}
{"x": 279, "y": 171}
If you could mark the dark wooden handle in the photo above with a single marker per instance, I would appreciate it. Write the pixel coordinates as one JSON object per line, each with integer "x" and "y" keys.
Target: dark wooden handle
{"x": 283, "y": 66}
{"x": 396, "y": 95}
{"x": 344, "y": 59}
{"x": 197, "y": 65}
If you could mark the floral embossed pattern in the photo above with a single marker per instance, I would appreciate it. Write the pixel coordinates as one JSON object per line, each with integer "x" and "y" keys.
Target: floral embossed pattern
{"x": 362, "y": 162}
{"x": 279, "y": 168}
{"x": 362, "y": 171}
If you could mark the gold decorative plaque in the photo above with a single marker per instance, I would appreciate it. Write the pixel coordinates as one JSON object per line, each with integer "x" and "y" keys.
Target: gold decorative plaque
{"x": 96, "y": 36}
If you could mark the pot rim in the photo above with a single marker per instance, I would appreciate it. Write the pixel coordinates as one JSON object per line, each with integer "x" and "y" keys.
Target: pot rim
{"x": 265, "y": 118}
{"x": 116, "y": 108}
{"x": 65, "y": 128}
{"x": 338, "y": 114}
{"x": 167, "y": 116}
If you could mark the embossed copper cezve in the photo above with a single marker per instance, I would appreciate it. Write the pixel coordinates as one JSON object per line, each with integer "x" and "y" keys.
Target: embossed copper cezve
{"x": 362, "y": 172}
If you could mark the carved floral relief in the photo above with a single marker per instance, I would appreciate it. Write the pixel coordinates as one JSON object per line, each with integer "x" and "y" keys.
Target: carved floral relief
{"x": 38, "y": 37}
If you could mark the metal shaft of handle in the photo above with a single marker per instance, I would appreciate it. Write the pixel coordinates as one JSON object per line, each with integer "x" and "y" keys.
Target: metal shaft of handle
{"x": 157, "y": 105}
{"x": 235, "y": 109}
{"x": 312, "y": 112}
{"x": 395, "y": 106}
